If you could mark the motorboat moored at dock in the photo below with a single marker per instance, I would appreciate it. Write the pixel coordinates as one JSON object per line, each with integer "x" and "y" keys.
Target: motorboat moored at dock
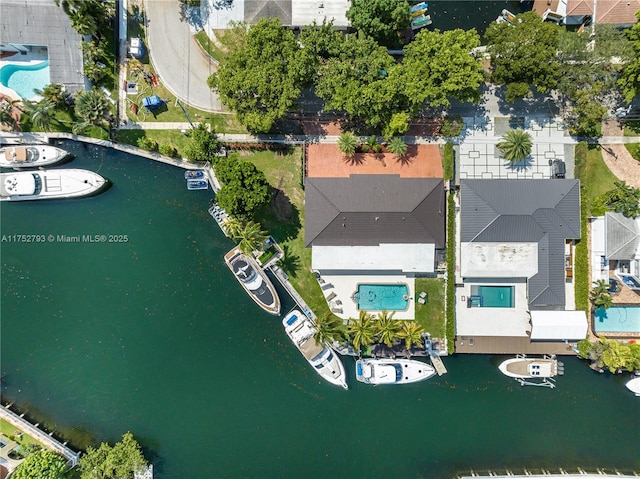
{"x": 50, "y": 184}
{"x": 254, "y": 280}
{"x": 321, "y": 357}
{"x": 31, "y": 156}
{"x": 633, "y": 385}
{"x": 522, "y": 368}
{"x": 392, "y": 371}
{"x": 197, "y": 184}
{"x": 194, "y": 174}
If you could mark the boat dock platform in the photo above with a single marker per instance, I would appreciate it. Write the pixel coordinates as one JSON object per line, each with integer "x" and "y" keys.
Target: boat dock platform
{"x": 438, "y": 364}
{"x": 284, "y": 281}
{"x": 561, "y": 474}
{"x": 220, "y": 216}
{"x": 19, "y": 422}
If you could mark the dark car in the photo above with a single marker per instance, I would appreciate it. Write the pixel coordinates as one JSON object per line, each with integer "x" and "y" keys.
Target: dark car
{"x": 613, "y": 286}
{"x": 558, "y": 169}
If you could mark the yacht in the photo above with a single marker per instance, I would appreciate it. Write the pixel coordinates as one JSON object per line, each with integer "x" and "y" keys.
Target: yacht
{"x": 254, "y": 280}
{"x": 634, "y": 386}
{"x": 50, "y": 184}
{"x": 392, "y": 371}
{"x": 31, "y": 156}
{"x": 522, "y": 368}
{"x": 324, "y": 360}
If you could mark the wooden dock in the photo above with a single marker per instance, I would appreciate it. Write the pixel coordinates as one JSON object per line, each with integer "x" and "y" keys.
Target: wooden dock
{"x": 438, "y": 364}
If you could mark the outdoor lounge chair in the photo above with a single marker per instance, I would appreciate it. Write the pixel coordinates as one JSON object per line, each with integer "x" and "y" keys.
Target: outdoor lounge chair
{"x": 336, "y": 310}
{"x": 327, "y": 286}
{"x": 331, "y": 296}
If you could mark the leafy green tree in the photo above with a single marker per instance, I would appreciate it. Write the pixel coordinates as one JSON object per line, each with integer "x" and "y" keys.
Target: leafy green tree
{"x": 387, "y": 328}
{"x": 348, "y": 143}
{"x": 92, "y": 106}
{"x": 43, "y": 464}
{"x": 600, "y": 296}
{"x": 411, "y": 332}
{"x": 438, "y": 66}
{"x": 398, "y": 124}
{"x": 328, "y": 329}
{"x": 119, "y": 461}
{"x": 516, "y": 90}
{"x": 40, "y": 113}
{"x": 515, "y": 145}
{"x": 587, "y": 112}
{"x": 362, "y": 331}
{"x": 203, "y": 145}
{"x": 525, "y": 51}
{"x": 318, "y": 43}
{"x": 7, "y": 108}
{"x": 611, "y": 354}
{"x": 55, "y": 93}
{"x": 383, "y": 20}
{"x": 251, "y": 237}
{"x": 261, "y": 79}
{"x": 630, "y": 78}
{"x": 244, "y": 189}
{"x": 397, "y": 146}
{"x": 623, "y": 199}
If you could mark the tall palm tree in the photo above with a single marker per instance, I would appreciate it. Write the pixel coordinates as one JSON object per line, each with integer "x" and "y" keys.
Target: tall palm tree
{"x": 387, "y": 328}
{"x": 361, "y": 331}
{"x": 251, "y": 237}
{"x": 600, "y": 286}
{"x": 233, "y": 226}
{"x": 41, "y": 113}
{"x": 92, "y": 106}
{"x": 348, "y": 143}
{"x": 328, "y": 328}
{"x": 516, "y": 145}
{"x": 397, "y": 146}
{"x": 412, "y": 333}
{"x": 624, "y": 199}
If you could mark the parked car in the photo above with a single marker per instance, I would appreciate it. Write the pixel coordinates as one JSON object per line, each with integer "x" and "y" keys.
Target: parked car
{"x": 558, "y": 169}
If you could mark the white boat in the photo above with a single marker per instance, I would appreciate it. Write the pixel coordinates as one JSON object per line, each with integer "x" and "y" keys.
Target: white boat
{"x": 634, "y": 386}
{"x": 30, "y": 156}
{"x": 324, "y": 360}
{"x": 506, "y": 16}
{"x": 522, "y": 368}
{"x": 392, "y": 371}
{"x": 50, "y": 184}
{"x": 254, "y": 281}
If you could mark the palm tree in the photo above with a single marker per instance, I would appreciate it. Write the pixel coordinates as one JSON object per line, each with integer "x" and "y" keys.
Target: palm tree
{"x": 328, "y": 329}
{"x": 233, "y": 227}
{"x": 624, "y": 199}
{"x": 412, "y": 333}
{"x": 92, "y": 106}
{"x": 53, "y": 92}
{"x": 515, "y": 145}
{"x": 387, "y": 328}
{"x": 600, "y": 286}
{"x": 6, "y": 112}
{"x": 397, "y": 146}
{"x": 347, "y": 143}
{"x": 361, "y": 330}
{"x": 251, "y": 237}
{"x": 41, "y": 113}
{"x": 601, "y": 300}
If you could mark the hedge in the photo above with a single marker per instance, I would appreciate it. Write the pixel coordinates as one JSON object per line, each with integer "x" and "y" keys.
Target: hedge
{"x": 447, "y": 161}
{"x": 450, "y": 313}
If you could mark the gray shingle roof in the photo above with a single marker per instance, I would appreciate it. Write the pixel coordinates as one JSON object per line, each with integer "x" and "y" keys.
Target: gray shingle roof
{"x": 546, "y": 212}
{"x": 254, "y": 10}
{"x": 623, "y": 236}
{"x": 368, "y": 210}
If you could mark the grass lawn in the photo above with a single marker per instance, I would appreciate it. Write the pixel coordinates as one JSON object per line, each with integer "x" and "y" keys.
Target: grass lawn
{"x": 632, "y": 128}
{"x": 208, "y": 46}
{"x": 167, "y": 137}
{"x": 634, "y": 149}
{"x": 10, "y": 431}
{"x": 431, "y": 314}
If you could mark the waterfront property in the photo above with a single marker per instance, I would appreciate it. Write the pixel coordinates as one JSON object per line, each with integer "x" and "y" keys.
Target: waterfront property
{"x": 617, "y": 319}
{"x": 515, "y": 259}
{"x": 373, "y": 221}
{"x": 21, "y": 79}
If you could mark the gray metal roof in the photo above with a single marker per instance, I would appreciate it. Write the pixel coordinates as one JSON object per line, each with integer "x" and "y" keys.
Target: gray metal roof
{"x": 41, "y": 22}
{"x": 546, "y": 212}
{"x": 368, "y": 210}
{"x": 254, "y": 10}
{"x": 623, "y": 236}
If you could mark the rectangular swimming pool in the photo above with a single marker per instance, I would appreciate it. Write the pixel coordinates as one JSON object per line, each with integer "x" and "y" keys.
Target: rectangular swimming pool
{"x": 617, "y": 319}
{"x": 492, "y": 296}
{"x": 382, "y": 297}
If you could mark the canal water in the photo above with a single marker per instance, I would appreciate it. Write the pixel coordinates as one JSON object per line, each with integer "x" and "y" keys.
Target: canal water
{"x": 151, "y": 334}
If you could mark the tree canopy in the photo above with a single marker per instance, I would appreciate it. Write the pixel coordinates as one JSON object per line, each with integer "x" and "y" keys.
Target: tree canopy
{"x": 203, "y": 145}
{"x": 261, "y": 78}
{"x": 525, "y": 51}
{"x": 383, "y": 20}
{"x": 43, "y": 464}
{"x": 119, "y": 461}
{"x": 244, "y": 189}
{"x": 630, "y": 78}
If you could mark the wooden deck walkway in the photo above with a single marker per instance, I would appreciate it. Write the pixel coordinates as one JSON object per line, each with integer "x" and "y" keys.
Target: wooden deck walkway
{"x": 438, "y": 364}
{"x": 510, "y": 345}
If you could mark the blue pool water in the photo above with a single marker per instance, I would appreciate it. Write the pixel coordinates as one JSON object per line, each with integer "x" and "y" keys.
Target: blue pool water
{"x": 617, "y": 319}
{"x": 379, "y": 297}
{"x": 24, "y": 79}
{"x": 492, "y": 296}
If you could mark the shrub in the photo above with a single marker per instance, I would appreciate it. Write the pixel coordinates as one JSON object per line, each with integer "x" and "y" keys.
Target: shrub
{"x": 447, "y": 161}
{"x": 516, "y": 90}
{"x": 581, "y": 265}
{"x": 452, "y": 126}
{"x": 168, "y": 150}
{"x": 147, "y": 144}
{"x": 634, "y": 149}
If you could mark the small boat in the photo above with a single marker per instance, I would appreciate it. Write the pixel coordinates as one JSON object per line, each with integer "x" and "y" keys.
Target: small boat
{"x": 634, "y": 386}
{"x": 421, "y": 21}
{"x": 392, "y": 371}
{"x": 506, "y": 16}
{"x": 197, "y": 184}
{"x": 194, "y": 174}
{"x": 522, "y": 368}
{"x": 321, "y": 357}
{"x": 254, "y": 281}
{"x": 418, "y": 9}
{"x": 50, "y": 184}
{"x": 31, "y": 156}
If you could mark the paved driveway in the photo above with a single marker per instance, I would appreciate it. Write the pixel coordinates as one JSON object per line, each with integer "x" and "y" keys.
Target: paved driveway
{"x": 178, "y": 60}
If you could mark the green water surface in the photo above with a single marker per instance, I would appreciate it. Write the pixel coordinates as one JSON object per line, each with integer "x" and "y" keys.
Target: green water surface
{"x": 155, "y": 336}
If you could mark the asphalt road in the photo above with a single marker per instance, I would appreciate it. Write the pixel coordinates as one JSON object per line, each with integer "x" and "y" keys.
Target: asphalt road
{"x": 178, "y": 60}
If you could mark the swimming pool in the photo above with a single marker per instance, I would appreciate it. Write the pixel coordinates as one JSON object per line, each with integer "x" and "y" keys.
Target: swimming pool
{"x": 24, "y": 79}
{"x": 491, "y": 296}
{"x": 617, "y": 319}
{"x": 382, "y": 297}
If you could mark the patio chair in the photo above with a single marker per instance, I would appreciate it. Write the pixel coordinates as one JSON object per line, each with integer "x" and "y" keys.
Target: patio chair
{"x": 327, "y": 286}
{"x": 331, "y": 296}
{"x": 336, "y": 310}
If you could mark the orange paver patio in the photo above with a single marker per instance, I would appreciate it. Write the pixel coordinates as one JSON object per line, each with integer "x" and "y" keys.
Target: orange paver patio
{"x": 326, "y": 161}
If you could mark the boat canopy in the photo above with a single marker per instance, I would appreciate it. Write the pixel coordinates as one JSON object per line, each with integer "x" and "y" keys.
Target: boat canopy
{"x": 558, "y": 325}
